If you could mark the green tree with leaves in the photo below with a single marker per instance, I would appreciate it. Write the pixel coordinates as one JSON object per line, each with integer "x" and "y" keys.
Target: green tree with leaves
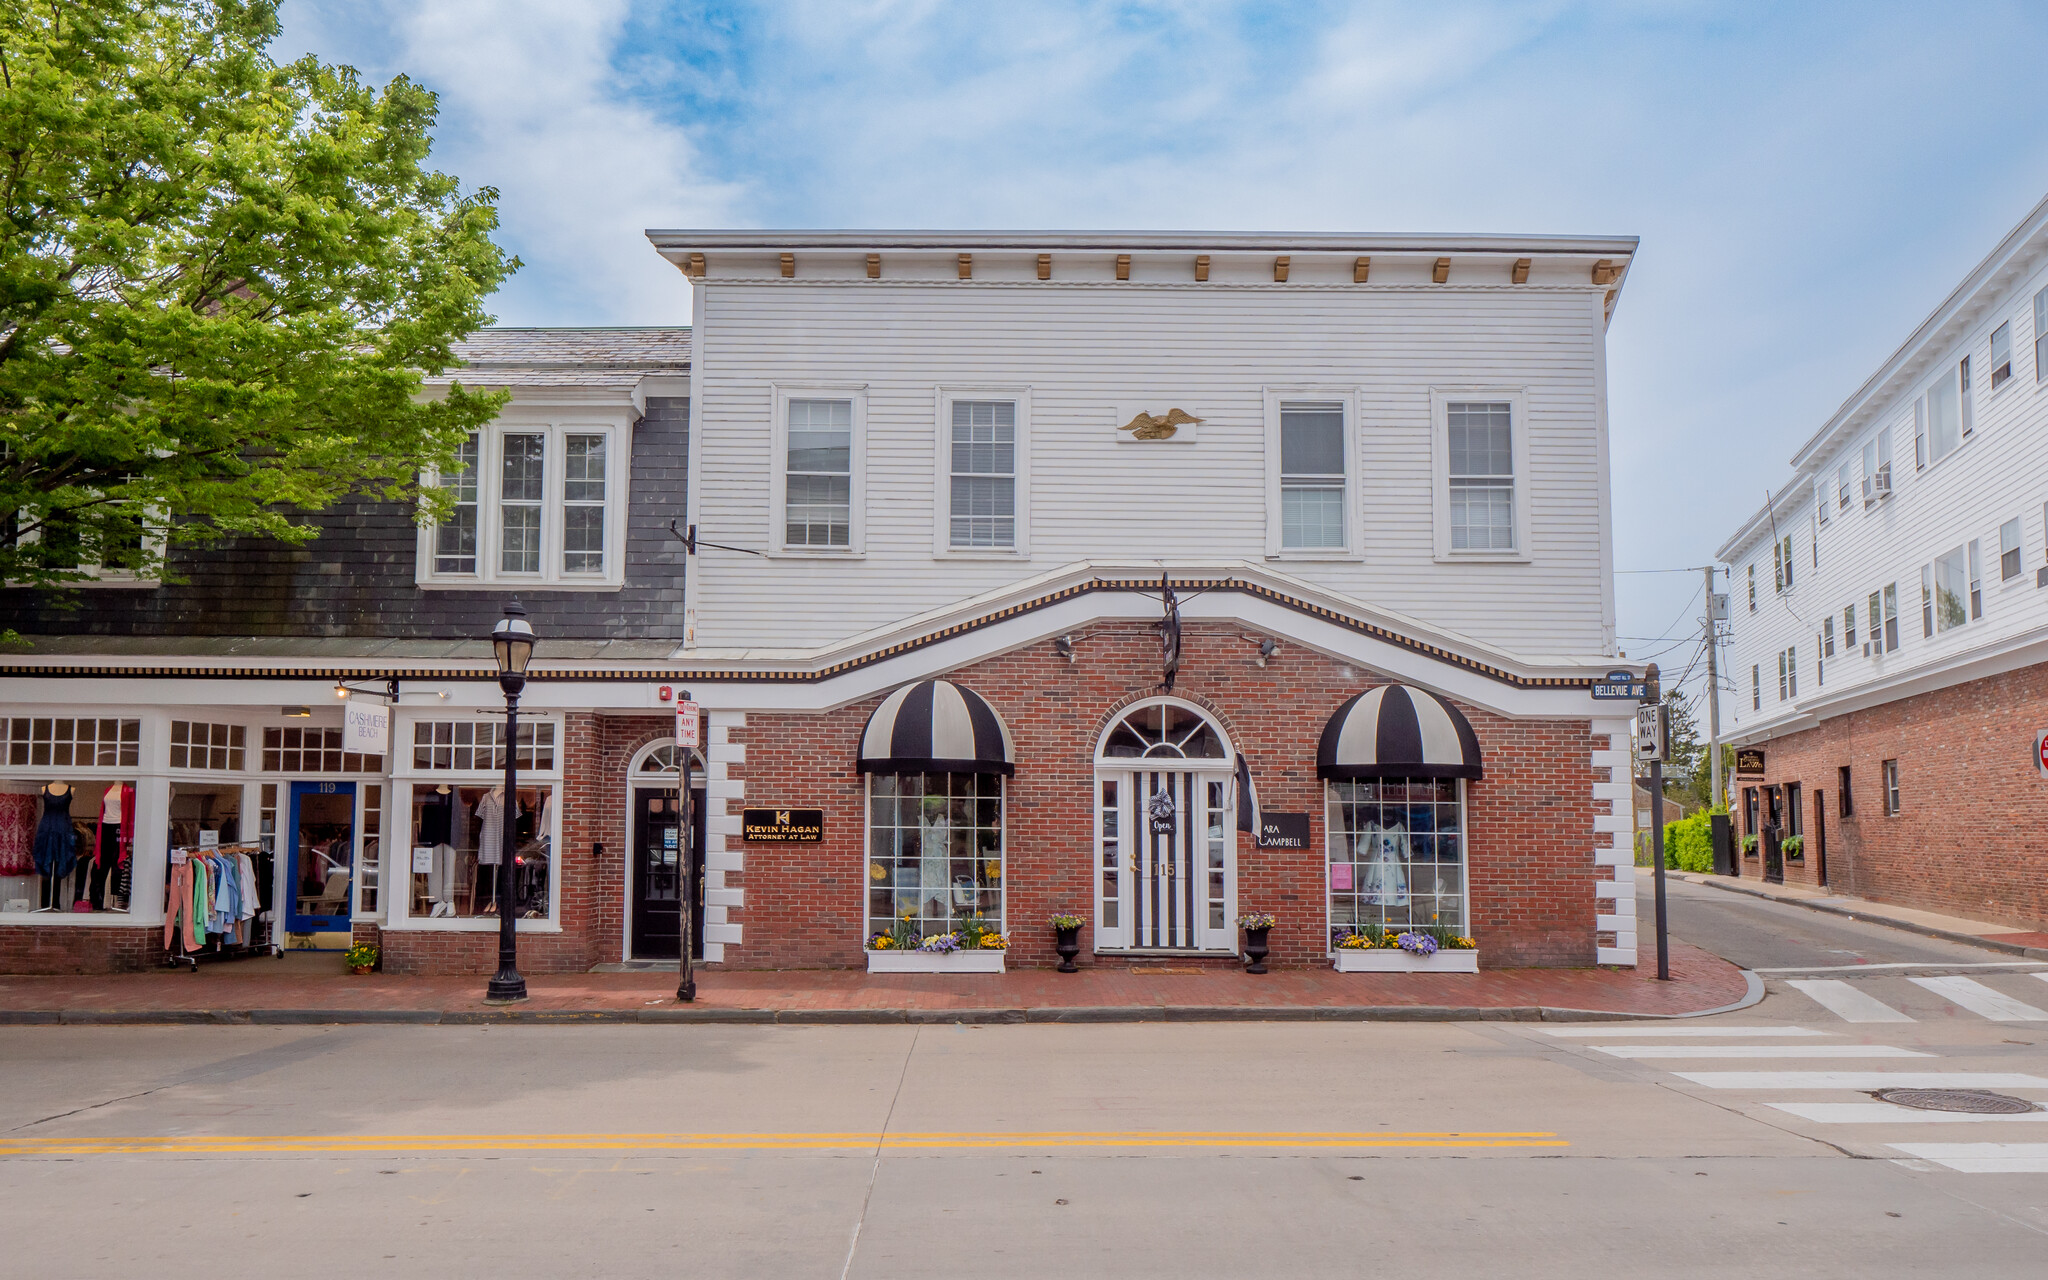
{"x": 222, "y": 281}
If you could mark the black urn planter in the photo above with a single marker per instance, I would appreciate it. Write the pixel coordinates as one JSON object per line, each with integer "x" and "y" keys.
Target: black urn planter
{"x": 1069, "y": 946}
{"x": 1255, "y": 950}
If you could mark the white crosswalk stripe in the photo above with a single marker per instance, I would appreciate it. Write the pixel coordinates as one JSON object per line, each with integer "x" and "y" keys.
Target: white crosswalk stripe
{"x": 1628, "y": 1029}
{"x": 1846, "y": 1002}
{"x": 1981, "y": 1000}
{"x": 1758, "y": 1051}
{"x": 1892, "y": 1113}
{"x": 1981, "y": 1157}
{"x": 1863, "y": 1081}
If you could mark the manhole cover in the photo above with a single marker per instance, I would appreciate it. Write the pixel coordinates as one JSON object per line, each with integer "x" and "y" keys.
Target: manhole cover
{"x": 1971, "y": 1101}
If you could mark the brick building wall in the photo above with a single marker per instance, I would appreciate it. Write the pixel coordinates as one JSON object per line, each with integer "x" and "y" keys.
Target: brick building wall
{"x": 1530, "y": 821}
{"x": 1971, "y": 834}
{"x": 72, "y": 949}
{"x": 596, "y": 752}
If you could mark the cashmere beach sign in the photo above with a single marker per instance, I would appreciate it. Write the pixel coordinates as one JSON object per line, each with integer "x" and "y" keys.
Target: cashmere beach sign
{"x": 365, "y": 728}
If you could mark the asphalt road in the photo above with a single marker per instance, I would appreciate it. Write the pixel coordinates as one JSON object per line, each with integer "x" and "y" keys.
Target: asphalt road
{"x": 1168, "y": 1150}
{"x": 1751, "y": 1143}
{"x": 1758, "y": 934}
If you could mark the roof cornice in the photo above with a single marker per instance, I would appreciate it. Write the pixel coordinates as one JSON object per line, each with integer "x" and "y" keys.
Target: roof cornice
{"x": 684, "y": 240}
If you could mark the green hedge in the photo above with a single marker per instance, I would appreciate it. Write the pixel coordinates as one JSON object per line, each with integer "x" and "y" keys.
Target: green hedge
{"x": 1689, "y": 844}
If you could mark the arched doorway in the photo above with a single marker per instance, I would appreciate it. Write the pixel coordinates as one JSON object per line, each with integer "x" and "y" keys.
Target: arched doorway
{"x": 1164, "y": 822}
{"x": 664, "y": 859}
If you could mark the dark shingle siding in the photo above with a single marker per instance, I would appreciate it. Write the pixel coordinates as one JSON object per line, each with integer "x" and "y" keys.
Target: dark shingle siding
{"x": 356, "y": 578}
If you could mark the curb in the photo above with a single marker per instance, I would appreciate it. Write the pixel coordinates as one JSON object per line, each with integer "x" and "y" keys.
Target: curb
{"x": 842, "y": 1017}
{"x": 1829, "y": 908}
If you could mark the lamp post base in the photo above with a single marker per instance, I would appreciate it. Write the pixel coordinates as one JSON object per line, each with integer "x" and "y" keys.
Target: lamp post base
{"x": 506, "y": 986}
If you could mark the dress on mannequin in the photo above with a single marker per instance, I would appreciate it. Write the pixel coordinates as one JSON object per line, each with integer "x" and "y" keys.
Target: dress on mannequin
{"x": 17, "y": 834}
{"x": 56, "y": 850}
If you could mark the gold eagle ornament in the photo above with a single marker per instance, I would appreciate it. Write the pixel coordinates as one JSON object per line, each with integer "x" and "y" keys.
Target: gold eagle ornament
{"x": 1147, "y": 426}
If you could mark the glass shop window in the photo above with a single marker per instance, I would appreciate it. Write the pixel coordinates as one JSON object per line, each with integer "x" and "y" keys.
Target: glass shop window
{"x": 1396, "y": 855}
{"x": 67, "y": 851}
{"x": 457, "y": 851}
{"x": 935, "y": 856}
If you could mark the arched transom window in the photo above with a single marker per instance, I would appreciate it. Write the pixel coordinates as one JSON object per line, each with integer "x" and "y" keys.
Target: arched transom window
{"x": 1163, "y": 730}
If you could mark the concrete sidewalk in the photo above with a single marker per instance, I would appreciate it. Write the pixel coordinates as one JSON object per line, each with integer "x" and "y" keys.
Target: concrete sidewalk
{"x": 313, "y": 988}
{"x": 1981, "y": 933}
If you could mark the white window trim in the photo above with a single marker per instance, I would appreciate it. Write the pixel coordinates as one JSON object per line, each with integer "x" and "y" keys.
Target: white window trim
{"x": 155, "y": 542}
{"x": 490, "y": 454}
{"x": 1354, "y": 538}
{"x": 942, "y": 473}
{"x": 778, "y": 469}
{"x": 1440, "y": 399}
{"x": 396, "y": 851}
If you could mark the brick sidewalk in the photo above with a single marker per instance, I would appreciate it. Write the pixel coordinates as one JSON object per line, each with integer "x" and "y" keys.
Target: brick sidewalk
{"x": 309, "y": 988}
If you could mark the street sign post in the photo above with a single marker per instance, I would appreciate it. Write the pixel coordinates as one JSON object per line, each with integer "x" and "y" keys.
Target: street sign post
{"x": 1653, "y": 741}
{"x": 686, "y": 742}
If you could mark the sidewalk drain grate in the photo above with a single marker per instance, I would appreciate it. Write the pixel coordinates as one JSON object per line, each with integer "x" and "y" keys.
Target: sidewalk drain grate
{"x": 1180, "y": 973}
{"x": 1971, "y": 1101}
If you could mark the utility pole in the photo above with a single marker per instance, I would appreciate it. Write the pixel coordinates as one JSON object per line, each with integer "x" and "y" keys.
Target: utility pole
{"x": 1715, "y": 616}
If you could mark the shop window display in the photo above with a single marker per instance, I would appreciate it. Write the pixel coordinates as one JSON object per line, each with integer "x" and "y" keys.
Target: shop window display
{"x": 935, "y": 854}
{"x": 458, "y": 841}
{"x": 1397, "y": 854}
{"x": 66, "y": 847}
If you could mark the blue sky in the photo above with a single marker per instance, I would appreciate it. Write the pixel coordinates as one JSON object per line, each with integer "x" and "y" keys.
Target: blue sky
{"x": 1808, "y": 180}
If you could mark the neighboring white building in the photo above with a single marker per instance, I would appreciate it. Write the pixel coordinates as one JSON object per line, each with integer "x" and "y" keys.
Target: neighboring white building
{"x": 1905, "y": 556}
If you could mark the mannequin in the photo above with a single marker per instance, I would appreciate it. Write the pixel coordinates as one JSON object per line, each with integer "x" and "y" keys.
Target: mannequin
{"x": 490, "y": 846}
{"x": 56, "y": 850}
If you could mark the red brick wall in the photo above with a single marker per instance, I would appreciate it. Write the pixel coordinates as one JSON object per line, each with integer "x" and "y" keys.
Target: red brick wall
{"x": 62, "y": 949}
{"x": 1530, "y": 819}
{"x": 597, "y": 751}
{"x": 1971, "y": 837}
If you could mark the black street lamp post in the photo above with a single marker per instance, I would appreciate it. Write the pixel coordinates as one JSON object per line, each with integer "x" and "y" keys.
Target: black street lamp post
{"x": 512, "y": 645}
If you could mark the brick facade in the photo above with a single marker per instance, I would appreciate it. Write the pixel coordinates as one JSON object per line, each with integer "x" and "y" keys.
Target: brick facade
{"x": 77, "y": 949}
{"x": 596, "y": 753}
{"x": 1530, "y": 820}
{"x": 1968, "y": 837}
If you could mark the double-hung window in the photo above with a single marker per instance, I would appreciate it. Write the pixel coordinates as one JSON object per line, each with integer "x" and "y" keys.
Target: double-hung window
{"x": 1877, "y": 467}
{"x": 1482, "y": 476}
{"x": 1312, "y": 474}
{"x": 1781, "y": 562}
{"x": 1882, "y": 619}
{"x": 531, "y": 502}
{"x": 1752, "y": 588}
{"x": 2009, "y": 550}
{"x": 1842, "y": 486}
{"x": 455, "y": 537}
{"x": 1937, "y": 421}
{"x": 2001, "y": 355}
{"x": 1827, "y": 636}
{"x": 818, "y": 474}
{"x": 1848, "y": 627}
{"x": 2041, "y": 336}
{"x": 1756, "y": 687}
{"x": 982, "y": 479}
{"x": 1951, "y": 592}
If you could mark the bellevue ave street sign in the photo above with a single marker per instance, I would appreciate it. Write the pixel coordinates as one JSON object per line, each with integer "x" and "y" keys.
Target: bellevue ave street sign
{"x": 1622, "y": 686}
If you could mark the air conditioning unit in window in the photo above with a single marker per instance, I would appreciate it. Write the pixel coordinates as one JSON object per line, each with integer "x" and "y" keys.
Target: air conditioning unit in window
{"x": 1881, "y": 483}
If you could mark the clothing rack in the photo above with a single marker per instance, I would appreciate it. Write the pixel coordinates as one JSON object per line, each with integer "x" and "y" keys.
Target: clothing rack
{"x": 261, "y": 928}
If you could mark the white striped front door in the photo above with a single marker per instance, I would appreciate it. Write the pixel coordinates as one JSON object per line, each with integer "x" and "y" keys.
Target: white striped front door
{"x": 1164, "y": 852}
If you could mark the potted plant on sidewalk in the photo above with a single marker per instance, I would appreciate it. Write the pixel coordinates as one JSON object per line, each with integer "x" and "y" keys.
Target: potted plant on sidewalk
{"x": 1066, "y": 928}
{"x": 360, "y": 958}
{"x": 1257, "y": 925}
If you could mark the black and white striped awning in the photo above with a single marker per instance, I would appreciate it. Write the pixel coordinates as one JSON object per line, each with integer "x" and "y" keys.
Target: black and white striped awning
{"x": 1398, "y": 731}
{"x": 935, "y": 727}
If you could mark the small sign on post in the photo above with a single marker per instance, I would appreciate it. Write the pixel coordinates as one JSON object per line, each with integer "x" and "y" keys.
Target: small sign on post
{"x": 1650, "y": 733}
{"x": 688, "y": 732}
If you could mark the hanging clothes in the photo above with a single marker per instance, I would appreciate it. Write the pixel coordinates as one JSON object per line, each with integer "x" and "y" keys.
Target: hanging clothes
{"x": 56, "y": 847}
{"x": 250, "y": 902}
{"x": 17, "y": 834}
{"x": 490, "y": 829}
{"x": 437, "y": 819}
{"x": 178, "y": 907}
{"x": 1386, "y": 868}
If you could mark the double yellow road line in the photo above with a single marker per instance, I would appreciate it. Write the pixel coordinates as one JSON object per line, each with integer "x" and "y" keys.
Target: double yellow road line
{"x": 265, "y": 1144}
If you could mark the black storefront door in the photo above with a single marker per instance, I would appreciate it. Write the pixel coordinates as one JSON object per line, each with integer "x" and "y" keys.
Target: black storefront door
{"x": 665, "y": 860}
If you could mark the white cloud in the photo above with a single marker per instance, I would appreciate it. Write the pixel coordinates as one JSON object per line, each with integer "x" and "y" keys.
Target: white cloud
{"x": 531, "y": 103}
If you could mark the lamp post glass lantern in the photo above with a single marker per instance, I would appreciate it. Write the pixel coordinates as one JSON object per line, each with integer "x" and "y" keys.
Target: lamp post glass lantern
{"x": 512, "y": 646}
